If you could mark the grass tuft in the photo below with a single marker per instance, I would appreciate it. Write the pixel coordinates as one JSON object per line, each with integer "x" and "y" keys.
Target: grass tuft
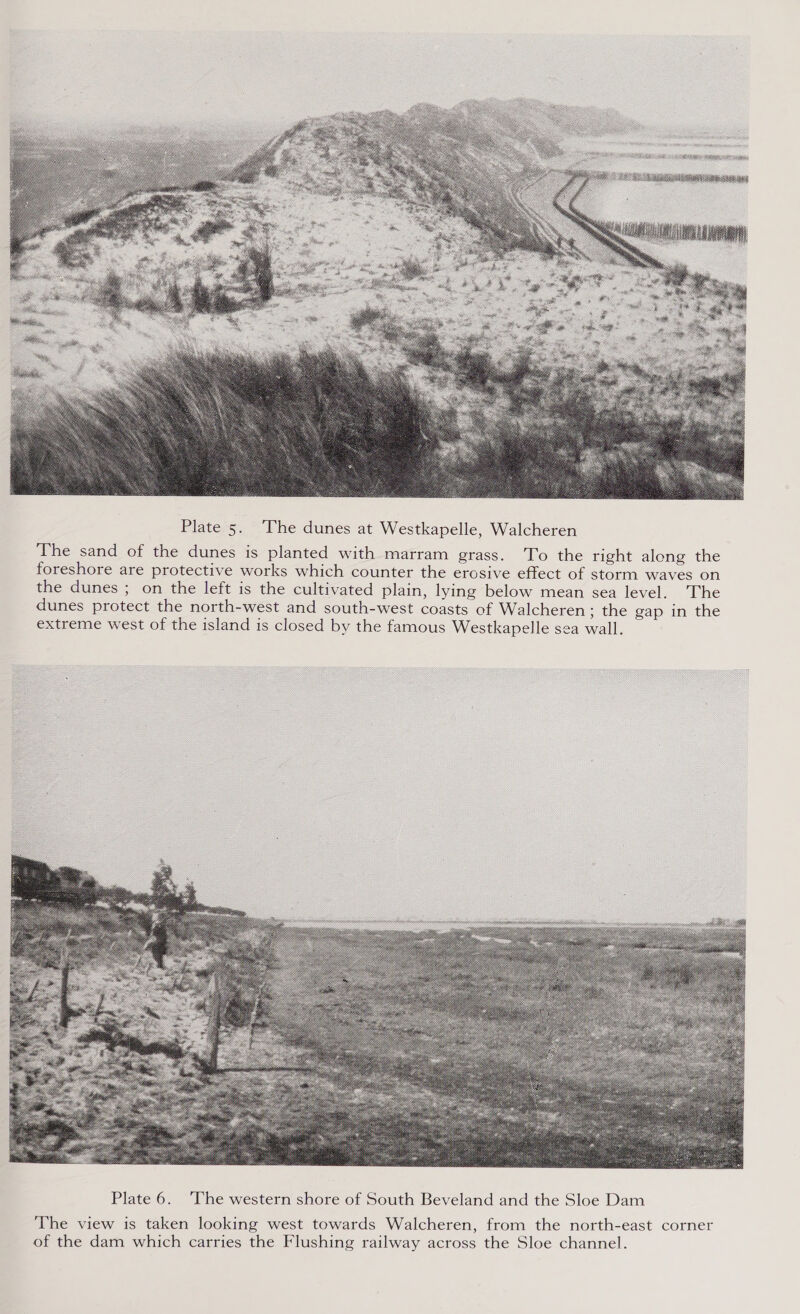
{"x": 410, "y": 267}
{"x": 366, "y": 315}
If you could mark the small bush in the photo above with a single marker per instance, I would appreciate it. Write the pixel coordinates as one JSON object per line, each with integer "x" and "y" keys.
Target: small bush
{"x": 147, "y": 302}
{"x": 668, "y": 440}
{"x": 110, "y": 291}
{"x": 517, "y": 371}
{"x": 63, "y": 253}
{"x": 209, "y": 227}
{"x": 708, "y": 384}
{"x": 204, "y": 185}
{"x": 389, "y": 327}
{"x": 473, "y": 367}
{"x": 260, "y": 258}
{"x": 424, "y": 348}
{"x": 366, "y": 315}
{"x": 410, "y": 267}
{"x": 174, "y": 299}
{"x": 201, "y": 297}
{"x": 675, "y": 275}
{"x": 222, "y": 303}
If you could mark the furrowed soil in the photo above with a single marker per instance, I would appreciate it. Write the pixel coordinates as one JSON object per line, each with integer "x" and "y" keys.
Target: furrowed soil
{"x": 534, "y": 1045}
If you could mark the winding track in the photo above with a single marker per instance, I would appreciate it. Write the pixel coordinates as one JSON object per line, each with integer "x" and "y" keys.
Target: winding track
{"x": 547, "y": 201}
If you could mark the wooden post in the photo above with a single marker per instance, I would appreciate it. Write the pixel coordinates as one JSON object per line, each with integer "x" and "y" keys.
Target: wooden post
{"x": 266, "y": 946}
{"x": 32, "y": 990}
{"x": 100, "y": 1002}
{"x": 254, "y": 1013}
{"x": 63, "y": 1014}
{"x": 214, "y": 1018}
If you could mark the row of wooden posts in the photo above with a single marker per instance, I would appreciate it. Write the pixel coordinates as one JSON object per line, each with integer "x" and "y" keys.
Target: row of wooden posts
{"x": 626, "y": 175}
{"x": 216, "y": 1012}
{"x": 678, "y": 232}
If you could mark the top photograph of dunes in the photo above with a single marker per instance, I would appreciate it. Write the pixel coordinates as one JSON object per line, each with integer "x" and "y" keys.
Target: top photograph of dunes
{"x": 378, "y": 265}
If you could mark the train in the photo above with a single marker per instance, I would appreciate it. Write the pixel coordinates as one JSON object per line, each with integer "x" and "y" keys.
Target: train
{"x": 31, "y": 879}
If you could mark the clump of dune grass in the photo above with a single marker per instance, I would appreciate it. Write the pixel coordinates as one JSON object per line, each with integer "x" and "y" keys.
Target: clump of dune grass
{"x": 411, "y": 267}
{"x": 366, "y": 315}
{"x": 232, "y": 422}
{"x": 425, "y": 348}
{"x": 542, "y": 455}
{"x": 109, "y": 293}
{"x": 260, "y": 259}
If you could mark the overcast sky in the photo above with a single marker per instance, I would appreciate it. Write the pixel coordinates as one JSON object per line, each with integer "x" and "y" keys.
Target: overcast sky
{"x": 177, "y": 77}
{"x": 392, "y": 793}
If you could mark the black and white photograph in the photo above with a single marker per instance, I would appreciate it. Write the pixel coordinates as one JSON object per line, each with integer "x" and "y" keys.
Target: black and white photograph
{"x": 342, "y": 916}
{"x": 378, "y": 264}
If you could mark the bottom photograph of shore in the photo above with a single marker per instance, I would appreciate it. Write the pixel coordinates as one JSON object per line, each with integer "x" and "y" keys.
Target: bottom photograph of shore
{"x": 378, "y": 916}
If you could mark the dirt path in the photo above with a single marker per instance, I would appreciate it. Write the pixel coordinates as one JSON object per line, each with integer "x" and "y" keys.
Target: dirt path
{"x": 537, "y": 199}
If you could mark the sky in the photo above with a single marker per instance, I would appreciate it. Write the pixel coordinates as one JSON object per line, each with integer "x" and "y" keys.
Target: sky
{"x": 372, "y": 793}
{"x": 276, "y": 78}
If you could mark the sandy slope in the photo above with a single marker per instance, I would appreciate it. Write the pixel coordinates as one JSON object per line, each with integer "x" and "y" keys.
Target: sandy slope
{"x": 626, "y": 336}
{"x": 119, "y": 1086}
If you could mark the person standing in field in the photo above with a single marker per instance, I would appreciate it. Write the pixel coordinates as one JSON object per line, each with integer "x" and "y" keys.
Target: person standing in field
{"x": 157, "y": 940}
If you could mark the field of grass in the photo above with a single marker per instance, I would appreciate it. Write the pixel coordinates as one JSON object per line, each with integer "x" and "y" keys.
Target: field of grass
{"x": 536, "y": 1045}
{"x": 231, "y": 422}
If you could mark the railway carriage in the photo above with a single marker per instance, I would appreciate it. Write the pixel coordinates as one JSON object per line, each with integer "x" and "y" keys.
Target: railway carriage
{"x": 31, "y": 879}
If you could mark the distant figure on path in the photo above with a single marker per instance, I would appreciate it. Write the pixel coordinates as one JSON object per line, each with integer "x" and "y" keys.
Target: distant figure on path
{"x": 157, "y": 939}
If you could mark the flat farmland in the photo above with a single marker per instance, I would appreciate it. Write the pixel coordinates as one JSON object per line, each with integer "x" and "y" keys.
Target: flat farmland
{"x": 494, "y": 1045}
{"x": 54, "y": 173}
